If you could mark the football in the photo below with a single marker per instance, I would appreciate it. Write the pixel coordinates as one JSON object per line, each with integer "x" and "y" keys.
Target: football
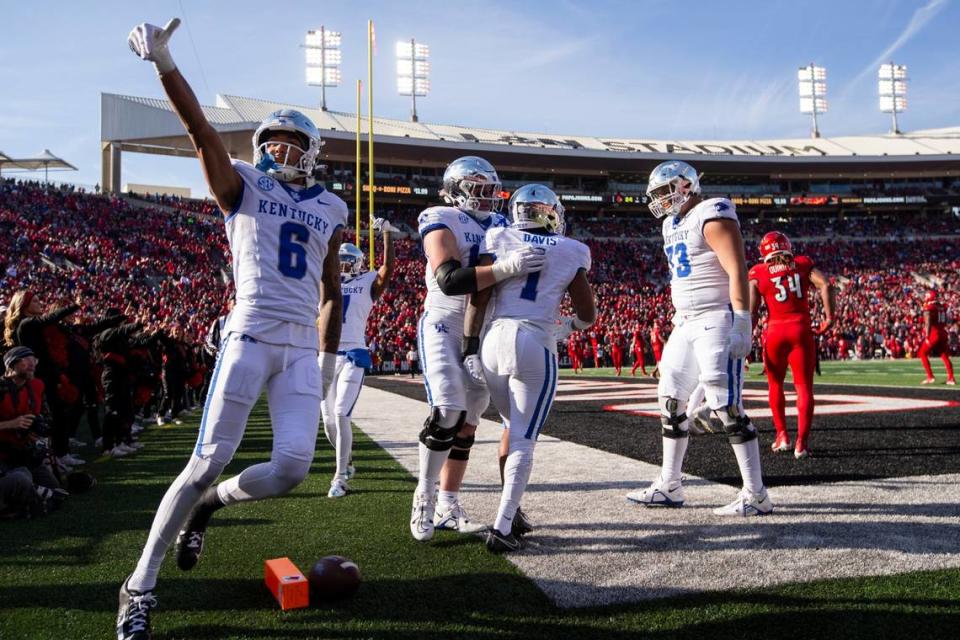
{"x": 333, "y": 578}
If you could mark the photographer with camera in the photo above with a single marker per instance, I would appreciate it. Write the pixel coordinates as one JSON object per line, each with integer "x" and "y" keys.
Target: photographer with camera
{"x": 25, "y": 425}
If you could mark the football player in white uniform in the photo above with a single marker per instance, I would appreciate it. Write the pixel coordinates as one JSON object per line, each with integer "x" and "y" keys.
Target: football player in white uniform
{"x": 518, "y": 360}
{"x": 359, "y": 290}
{"x": 711, "y": 337}
{"x": 453, "y": 241}
{"x": 284, "y": 232}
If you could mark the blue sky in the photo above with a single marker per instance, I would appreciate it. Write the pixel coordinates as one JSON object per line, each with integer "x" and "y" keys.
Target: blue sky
{"x": 614, "y": 68}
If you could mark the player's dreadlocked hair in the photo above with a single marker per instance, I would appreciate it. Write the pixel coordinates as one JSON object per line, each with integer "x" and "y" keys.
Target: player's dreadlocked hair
{"x": 783, "y": 258}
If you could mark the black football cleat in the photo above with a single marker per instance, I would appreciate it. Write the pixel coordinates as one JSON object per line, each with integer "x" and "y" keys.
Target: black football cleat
{"x": 133, "y": 616}
{"x": 521, "y": 524}
{"x": 189, "y": 548}
{"x": 499, "y": 543}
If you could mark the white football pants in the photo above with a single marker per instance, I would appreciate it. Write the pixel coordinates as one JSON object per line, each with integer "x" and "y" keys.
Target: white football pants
{"x": 521, "y": 373}
{"x": 244, "y": 367}
{"x": 337, "y": 408}
{"x": 697, "y": 352}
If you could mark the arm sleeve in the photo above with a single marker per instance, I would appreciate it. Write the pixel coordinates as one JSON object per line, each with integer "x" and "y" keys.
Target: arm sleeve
{"x": 58, "y": 314}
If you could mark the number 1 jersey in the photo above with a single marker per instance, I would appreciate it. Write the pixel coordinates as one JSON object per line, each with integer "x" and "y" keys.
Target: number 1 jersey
{"x": 697, "y": 281}
{"x": 784, "y": 289}
{"x": 536, "y": 296}
{"x": 278, "y": 238}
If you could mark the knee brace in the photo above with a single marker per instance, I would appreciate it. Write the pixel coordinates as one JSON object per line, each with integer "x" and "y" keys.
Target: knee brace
{"x": 737, "y": 426}
{"x": 674, "y": 420}
{"x": 437, "y": 433}
{"x": 461, "y": 446}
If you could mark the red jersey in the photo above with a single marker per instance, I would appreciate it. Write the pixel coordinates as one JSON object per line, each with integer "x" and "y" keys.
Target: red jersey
{"x": 784, "y": 289}
{"x": 937, "y": 315}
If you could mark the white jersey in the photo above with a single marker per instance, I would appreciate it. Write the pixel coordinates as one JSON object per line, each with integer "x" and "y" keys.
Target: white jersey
{"x": 697, "y": 281}
{"x": 278, "y": 238}
{"x": 536, "y": 297}
{"x": 469, "y": 233}
{"x": 357, "y": 304}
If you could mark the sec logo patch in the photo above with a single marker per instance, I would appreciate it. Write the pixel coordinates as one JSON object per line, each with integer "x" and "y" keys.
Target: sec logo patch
{"x": 265, "y": 183}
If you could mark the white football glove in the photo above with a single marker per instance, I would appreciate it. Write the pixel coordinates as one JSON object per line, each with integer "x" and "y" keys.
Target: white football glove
{"x": 382, "y": 225}
{"x": 564, "y": 328}
{"x": 519, "y": 262}
{"x": 474, "y": 368}
{"x": 741, "y": 335}
{"x": 328, "y": 371}
{"x": 150, "y": 42}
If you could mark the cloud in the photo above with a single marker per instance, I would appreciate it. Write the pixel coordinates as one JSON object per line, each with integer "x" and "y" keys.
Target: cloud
{"x": 918, "y": 21}
{"x": 546, "y": 57}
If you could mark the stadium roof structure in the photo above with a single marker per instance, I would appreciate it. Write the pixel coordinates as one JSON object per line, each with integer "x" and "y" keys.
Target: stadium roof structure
{"x": 149, "y": 125}
{"x": 45, "y": 160}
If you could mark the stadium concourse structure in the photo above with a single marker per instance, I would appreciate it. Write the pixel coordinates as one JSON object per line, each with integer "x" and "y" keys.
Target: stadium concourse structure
{"x": 918, "y": 171}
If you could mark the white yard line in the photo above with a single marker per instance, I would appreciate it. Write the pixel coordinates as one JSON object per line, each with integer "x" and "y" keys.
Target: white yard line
{"x": 592, "y": 547}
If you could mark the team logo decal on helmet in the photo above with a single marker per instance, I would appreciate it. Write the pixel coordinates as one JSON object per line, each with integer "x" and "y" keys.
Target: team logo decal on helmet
{"x": 670, "y": 185}
{"x": 535, "y": 205}
{"x": 471, "y": 184}
{"x": 351, "y": 260}
{"x": 775, "y": 244}
{"x": 280, "y": 165}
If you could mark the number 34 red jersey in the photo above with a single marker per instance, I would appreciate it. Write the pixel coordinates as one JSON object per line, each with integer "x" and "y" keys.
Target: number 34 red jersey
{"x": 784, "y": 289}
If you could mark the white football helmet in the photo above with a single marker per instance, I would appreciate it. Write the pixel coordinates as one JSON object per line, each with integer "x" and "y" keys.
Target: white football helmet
{"x": 351, "y": 260}
{"x": 535, "y": 205}
{"x": 669, "y": 186}
{"x": 279, "y": 168}
{"x": 471, "y": 184}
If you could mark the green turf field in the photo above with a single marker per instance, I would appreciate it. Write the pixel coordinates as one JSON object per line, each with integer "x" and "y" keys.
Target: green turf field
{"x": 59, "y": 574}
{"x": 871, "y": 373}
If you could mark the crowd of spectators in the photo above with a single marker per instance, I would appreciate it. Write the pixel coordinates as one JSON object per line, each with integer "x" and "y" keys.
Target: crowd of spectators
{"x": 113, "y": 299}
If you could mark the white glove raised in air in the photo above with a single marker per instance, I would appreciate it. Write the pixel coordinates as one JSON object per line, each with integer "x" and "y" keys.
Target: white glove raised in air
{"x": 382, "y": 225}
{"x": 519, "y": 262}
{"x": 741, "y": 335}
{"x": 150, "y": 42}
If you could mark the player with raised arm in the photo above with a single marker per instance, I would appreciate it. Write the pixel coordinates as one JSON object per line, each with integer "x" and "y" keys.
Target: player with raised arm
{"x": 359, "y": 290}
{"x": 711, "y": 336}
{"x": 284, "y": 233}
{"x": 518, "y": 357}
{"x": 782, "y": 281}
{"x": 935, "y": 340}
{"x": 453, "y": 241}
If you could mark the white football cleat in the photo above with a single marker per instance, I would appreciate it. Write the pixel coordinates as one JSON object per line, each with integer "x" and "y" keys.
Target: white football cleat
{"x": 421, "y": 516}
{"x": 338, "y": 488}
{"x": 748, "y": 504}
{"x": 660, "y": 494}
{"x": 456, "y": 519}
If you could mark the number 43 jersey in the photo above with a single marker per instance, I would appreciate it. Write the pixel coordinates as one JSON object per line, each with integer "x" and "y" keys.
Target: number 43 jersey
{"x": 697, "y": 281}
{"x": 536, "y": 297}
{"x": 784, "y": 289}
{"x": 278, "y": 237}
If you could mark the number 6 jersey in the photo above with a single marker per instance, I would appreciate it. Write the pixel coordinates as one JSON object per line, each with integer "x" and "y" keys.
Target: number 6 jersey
{"x": 697, "y": 281}
{"x": 278, "y": 237}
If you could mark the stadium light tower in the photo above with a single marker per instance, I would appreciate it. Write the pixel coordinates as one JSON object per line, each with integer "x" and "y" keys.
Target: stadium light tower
{"x": 323, "y": 61}
{"x": 413, "y": 71}
{"x": 893, "y": 90}
{"x": 813, "y": 93}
